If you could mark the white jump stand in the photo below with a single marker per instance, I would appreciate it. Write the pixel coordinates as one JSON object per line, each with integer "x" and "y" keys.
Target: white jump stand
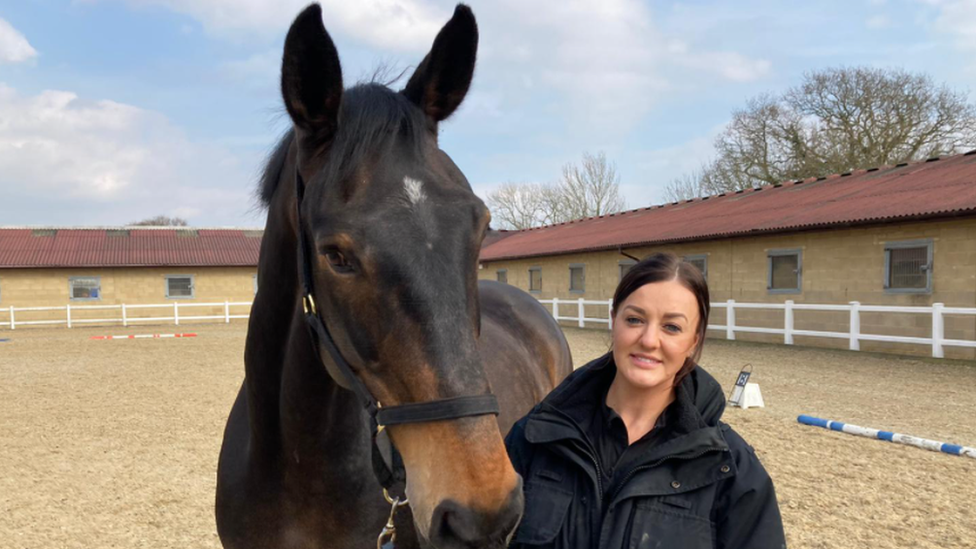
{"x": 751, "y": 397}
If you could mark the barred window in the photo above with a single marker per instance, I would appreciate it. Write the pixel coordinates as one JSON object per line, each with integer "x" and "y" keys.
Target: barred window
{"x": 179, "y": 286}
{"x": 625, "y": 265}
{"x": 577, "y": 278}
{"x": 908, "y": 266}
{"x": 785, "y": 267}
{"x": 699, "y": 261}
{"x": 535, "y": 279}
{"x": 502, "y": 275}
{"x": 84, "y": 288}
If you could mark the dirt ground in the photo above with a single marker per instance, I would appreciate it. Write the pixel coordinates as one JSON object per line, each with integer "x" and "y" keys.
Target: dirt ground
{"x": 115, "y": 443}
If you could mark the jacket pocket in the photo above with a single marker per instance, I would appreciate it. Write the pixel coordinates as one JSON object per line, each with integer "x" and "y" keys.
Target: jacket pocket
{"x": 545, "y": 512}
{"x": 668, "y": 522}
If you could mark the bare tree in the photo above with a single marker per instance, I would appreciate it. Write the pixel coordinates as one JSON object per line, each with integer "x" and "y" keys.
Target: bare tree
{"x": 160, "y": 221}
{"x": 591, "y": 189}
{"x": 517, "y": 205}
{"x": 835, "y": 121}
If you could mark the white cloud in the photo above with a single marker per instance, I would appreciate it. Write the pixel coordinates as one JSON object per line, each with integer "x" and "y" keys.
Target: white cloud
{"x": 111, "y": 162}
{"x": 730, "y": 65}
{"x": 14, "y": 48}
{"x": 958, "y": 19}
{"x": 398, "y": 25}
{"x": 601, "y": 65}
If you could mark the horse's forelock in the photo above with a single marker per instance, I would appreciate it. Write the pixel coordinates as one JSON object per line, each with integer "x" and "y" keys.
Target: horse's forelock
{"x": 371, "y": 114}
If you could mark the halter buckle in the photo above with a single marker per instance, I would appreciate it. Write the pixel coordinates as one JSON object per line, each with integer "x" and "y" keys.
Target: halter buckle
{"x": 308, "y": 304}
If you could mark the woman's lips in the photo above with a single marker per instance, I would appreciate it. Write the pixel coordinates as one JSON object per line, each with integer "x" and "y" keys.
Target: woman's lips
{"x": 645, "y": 362}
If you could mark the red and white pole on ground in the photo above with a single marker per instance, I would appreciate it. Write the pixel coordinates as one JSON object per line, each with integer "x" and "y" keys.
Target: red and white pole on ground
{"x": 143, "y": 336}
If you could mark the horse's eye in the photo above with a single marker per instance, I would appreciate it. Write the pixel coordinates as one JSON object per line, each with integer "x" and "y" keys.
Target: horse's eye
{"x": 338, "y": 261}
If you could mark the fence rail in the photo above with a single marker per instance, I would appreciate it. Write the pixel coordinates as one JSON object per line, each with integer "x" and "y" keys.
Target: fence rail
{"x": 70, "y": 318}
{"x": 938, "y": 312}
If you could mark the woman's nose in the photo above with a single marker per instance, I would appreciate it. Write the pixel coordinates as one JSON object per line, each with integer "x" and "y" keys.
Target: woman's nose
{"x": 650, "y": 339}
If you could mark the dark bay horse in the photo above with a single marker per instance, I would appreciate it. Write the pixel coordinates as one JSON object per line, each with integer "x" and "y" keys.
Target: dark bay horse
{"x": 393, "y": 231}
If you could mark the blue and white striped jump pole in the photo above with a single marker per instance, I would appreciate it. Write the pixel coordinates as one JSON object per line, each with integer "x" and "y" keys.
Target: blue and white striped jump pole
{"x": 933, "y": 445}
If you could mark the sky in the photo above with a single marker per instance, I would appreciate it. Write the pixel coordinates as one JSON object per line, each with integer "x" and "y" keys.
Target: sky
{"x": 112, "y": 111}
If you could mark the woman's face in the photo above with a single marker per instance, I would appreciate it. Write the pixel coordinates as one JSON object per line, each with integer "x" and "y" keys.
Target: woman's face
{"x": 654, "y": 331}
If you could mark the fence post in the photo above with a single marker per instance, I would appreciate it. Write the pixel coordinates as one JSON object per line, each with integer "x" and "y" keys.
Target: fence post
{"x": 610, "y": 314}
{"x": 730, "y": 320}
{"x": 176, "y": 312}
{"x": 68, "y": 309}
{"x": 13, "y": 325}
{"x": 788, "y": 323}
{"x": 226, "y": 312}
{"x": 855, "y": 326}
{"x": 555, "y": 309}
{"x": 938, "y": 330}
{"x": 125, "y": 317}
{"x": 581, "y": 312}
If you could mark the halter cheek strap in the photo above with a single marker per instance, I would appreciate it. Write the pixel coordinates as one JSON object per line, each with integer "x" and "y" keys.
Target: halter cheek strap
{"x": 389, "y": 471}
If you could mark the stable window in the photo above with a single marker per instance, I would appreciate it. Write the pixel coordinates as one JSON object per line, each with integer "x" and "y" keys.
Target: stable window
{"x": 179, "y": 286}
{"x": 699, "y": 261}
{"x": 502, "y": 275}
{"x": 784, "y": 273}
{"x": 908, "y": 267}
{"x": 577, "y": 278}
{"x": 535, "y": 279}
{"x": 625, "y": 265}
{"x": 84, "y": 288}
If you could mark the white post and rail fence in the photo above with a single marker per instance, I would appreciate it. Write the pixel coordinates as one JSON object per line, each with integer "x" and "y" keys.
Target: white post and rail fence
{"x": 561, "y": 309}
{"x": 125, "y": 314}
{"x": 72, "y": 315}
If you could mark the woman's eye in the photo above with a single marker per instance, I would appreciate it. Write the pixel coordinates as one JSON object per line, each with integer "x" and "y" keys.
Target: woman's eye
{"x": 633, "y": 320}
{"x": 673, "y": 328}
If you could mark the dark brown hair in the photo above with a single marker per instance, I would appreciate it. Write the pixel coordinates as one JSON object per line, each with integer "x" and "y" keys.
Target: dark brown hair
{"x": 663, "y": 267}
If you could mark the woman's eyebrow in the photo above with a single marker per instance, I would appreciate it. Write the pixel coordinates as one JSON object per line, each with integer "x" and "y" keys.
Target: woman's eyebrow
{"x": 675, "y": 315}
{"x": 636, "y": 308}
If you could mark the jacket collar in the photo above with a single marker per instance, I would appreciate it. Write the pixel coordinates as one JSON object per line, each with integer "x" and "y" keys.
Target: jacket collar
{"x": 699, "y": 401}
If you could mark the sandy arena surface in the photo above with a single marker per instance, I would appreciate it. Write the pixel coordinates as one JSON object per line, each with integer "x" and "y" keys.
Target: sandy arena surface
{"x": 114, "y": 443}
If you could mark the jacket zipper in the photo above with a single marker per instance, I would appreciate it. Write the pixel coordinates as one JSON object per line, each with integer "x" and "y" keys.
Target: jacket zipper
{"x": 593, "y": 457}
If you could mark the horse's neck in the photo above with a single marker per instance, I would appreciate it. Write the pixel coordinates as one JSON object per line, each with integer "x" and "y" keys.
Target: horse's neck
{"x": 297, "y": 412}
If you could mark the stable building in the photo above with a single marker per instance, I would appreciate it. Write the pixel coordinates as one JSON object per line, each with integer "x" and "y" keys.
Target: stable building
{"x": 900, "y": 235}
{"x": 54, "y": 267}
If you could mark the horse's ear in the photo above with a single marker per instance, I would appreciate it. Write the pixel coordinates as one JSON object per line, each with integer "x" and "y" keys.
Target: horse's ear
{"x": 311, "y": 78}
{"x": 443, "y": 78}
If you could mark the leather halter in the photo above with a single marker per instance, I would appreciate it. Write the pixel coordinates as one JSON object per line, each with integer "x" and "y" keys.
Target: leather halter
{"x": 388, "y": 474}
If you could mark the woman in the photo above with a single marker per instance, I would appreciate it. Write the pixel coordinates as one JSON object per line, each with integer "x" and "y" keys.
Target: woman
{"x": 628, "y": 452}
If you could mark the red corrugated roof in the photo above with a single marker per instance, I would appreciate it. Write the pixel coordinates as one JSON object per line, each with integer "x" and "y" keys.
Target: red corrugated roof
{"x": 933, "y": 188}
{"x": 128, "y": 247}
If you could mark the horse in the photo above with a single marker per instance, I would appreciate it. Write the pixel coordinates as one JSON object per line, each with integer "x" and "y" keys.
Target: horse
{"x": 381, "y": 249}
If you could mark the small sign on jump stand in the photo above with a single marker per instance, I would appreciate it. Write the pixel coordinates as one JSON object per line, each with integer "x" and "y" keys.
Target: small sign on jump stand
{"x": 740, "y": 385}
{"x": 745, "y": 394}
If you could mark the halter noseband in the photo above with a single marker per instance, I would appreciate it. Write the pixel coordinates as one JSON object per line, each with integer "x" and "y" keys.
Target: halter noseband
{"x": 420, "y": 412}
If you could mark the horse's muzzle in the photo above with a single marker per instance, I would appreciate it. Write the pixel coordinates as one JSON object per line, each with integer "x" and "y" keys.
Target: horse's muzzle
{"x": 454, "y": 526}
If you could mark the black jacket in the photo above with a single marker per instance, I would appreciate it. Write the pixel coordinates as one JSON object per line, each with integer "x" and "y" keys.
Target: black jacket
{"x": 700, "y": 487}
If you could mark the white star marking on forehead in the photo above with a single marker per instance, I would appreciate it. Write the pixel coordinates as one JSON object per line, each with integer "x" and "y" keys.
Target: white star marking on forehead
{"x": 415, "y": 190}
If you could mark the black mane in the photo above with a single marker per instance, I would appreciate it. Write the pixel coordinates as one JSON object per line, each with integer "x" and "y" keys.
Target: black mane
{"x": 370, "y": 116}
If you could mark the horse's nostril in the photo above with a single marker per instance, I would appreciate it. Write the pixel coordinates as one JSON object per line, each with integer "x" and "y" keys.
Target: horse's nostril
{"x": 454, "y": 525}
{"x": 453, "y": 522}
